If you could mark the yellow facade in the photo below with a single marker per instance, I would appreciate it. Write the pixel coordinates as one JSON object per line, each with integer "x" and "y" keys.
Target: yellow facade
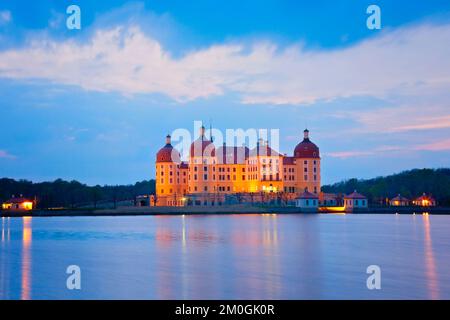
{"x": 212, "y": 174}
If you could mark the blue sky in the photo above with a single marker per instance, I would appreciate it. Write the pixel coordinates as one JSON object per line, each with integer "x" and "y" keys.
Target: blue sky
{"x": 95, "y": 104}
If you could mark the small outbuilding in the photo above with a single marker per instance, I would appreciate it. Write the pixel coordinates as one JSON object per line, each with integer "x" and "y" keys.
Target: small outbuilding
{"x": 355, "y": 200}
{"x": 425, "y": 201}
{"x": 330, "y": 199}
{"x": 18, "y": 204}
{"x": 399, "y": 201}
{"x": 307, "y": 201}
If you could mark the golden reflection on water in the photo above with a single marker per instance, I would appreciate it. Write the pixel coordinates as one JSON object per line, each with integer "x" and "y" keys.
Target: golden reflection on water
{"x": 430, "y": 263}
{"x": 259, "y": 245}
{"x": 27, "y": 234}
{"x": 270, "y": 230}
{"x": 270, "y": 245}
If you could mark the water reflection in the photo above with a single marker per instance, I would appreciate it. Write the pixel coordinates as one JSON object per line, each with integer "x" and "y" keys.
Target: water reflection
{"x": 430, "y": 263}
{"x": 26, "y": 258}
{"x": 6, "y": 233}
{"x": 4, "y": 272}
{"x": 271, "y": 249}
{"x": 227, "y": 257}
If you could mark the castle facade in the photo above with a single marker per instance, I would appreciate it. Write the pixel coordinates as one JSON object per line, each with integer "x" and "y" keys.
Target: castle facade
{"x": 215, "y": 175}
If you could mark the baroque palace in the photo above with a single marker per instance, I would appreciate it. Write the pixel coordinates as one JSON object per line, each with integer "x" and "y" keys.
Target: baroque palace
{"x": 229, "y": 174}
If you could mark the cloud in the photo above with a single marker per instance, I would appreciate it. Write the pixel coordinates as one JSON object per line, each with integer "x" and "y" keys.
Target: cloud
{"x": 428, "y": 123}
{"x": 407, "y": 61}
{"x": 437, "y": 146}
{"x": 6, "y": 155}
{"x": 363, "y": 153}
{"x": 5, "y": 17}
{"x": 348, "y": 154}
{"x": 443, "y": 145}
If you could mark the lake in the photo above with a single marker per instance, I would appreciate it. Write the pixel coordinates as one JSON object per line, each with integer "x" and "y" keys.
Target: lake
{"x": 226, "y": 257}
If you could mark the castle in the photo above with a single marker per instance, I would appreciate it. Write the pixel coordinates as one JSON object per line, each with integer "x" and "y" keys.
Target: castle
{"x": 230, "y": 174}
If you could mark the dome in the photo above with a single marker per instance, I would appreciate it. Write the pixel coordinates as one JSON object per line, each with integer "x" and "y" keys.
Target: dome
{"x": 168, "y": 153}
{"x": 306, "y": 149}
{"x": 202, "y": 146}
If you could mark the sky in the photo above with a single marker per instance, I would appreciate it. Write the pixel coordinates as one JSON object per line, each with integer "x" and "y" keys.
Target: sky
{"x": 95, "y": 104}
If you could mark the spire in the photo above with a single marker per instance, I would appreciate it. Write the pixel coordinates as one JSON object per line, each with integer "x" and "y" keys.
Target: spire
{"x": 210, "y": 131}
{"x": 202, "y": 132}
{"x": 306, "y": 134}
{"x": 168, "y": 139}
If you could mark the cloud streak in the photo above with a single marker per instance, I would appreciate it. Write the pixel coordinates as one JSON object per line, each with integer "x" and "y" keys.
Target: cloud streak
{"x": 436, "y": 146}
{"x": 406, "y": 61}
{"x": 6, "y": 155}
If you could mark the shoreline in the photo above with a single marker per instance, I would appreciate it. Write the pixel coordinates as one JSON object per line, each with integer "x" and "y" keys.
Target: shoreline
{"x": 225, "y": 210}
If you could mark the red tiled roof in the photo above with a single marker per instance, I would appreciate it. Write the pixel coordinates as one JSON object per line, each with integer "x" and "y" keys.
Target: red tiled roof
{"x": 202, "y": 147}
{"x": 306, "y": 149}
{"x": 424, "y": 197}
{"x": 263, "y": 150}
{"x": 308, "y": 195}
{"x": 329, "y": 196}
{"x": 355, "y": 195}
{"x": 232, "y": 155}
{"x": 399, "y": 198}
{"x": 168, "y": 154}
{"x": 288, "y": 160}
{"x": 18, "y": 200}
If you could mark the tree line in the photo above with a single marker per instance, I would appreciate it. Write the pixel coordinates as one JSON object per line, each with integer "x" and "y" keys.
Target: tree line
{"x": 72, "y": 194}
{"x": 409, "y": 184}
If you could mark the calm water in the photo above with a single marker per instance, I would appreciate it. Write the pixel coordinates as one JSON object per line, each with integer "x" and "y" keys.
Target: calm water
{"x": 226, "y": 257}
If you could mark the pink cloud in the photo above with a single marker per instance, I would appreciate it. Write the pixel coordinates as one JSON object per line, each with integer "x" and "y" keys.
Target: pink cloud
{"x": 426, "y": 124}
{"x": 6, "y": 155}
{"x": 442, "y": 145}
